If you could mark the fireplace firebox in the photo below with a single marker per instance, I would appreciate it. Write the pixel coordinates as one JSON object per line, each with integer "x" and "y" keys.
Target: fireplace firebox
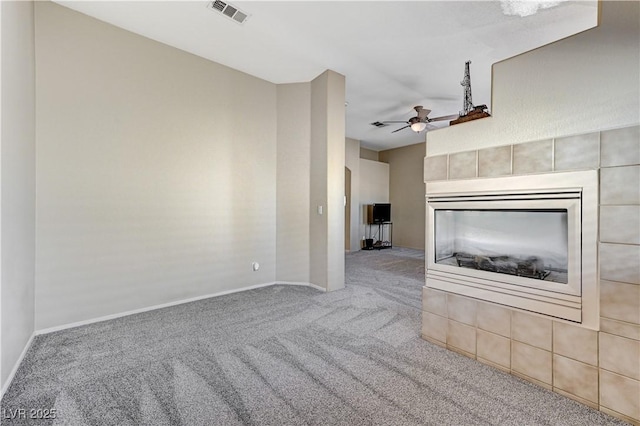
{"x": 524, "y": 241}
{"x": 528, "y": 243}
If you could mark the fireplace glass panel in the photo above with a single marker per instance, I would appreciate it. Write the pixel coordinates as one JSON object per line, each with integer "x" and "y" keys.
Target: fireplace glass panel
{"x": 527, "y": 243}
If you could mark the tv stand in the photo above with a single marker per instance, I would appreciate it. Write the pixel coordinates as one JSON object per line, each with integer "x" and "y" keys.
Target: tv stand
{"x": 380, "y": 236}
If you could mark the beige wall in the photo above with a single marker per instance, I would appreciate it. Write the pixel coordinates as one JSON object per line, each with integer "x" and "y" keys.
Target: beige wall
{"x": 588, "y": 82}
{"x": 17, "y": 179}
{"x": 335, "y": 178}
{"x": 152, "y": 185}
{"x": 369, "y": 184}
{"x": 569, "y": 359}
{"x": 374, "y": 188}
{"x": 352, "y": 161}
{"x": 564, "y": 106}
{"x": 369, "y": 154}
{"x": 327, "y": 181}
{"x": 406, "y": 194}
{"x": 293, "y": 184}
{"x": 318, "y": 222}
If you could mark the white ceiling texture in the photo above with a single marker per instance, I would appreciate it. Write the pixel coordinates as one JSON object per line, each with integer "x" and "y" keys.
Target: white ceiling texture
{"x": 395, "y": 55}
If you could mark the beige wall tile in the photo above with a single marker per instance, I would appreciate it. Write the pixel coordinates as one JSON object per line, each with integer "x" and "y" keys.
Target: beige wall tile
{"x": 577, "y": 152}
{"x": 434, "y": 301}
{"x": 461, "y": 352}
{"x": 586, "y": 402}
{"x": 620, "y": 328}
{"x": 620, "y": 224}
{"x": 531, "y": 329}
{"x": 461, "y": 336}
{"x": 620, "y": 394}
{"x": 575, "y": 377}
{"x": 532, "y": 380}
{"x": 617, "y": 415}
{"x": 494, "y": 348}
{"x": 532, "y": 157}
{"x": 530, "y": 361}
{"x": 462, "y": 165}
{"x": 493, "y": 364}
{"x": 435, "y": 168}
{"x": 620, "y": 301}
{"x": 494, "y": 161}
{"x": 461, "y": 309}
{"x": 619, "y": 185}
{"x": 620, "y": 355}
{"x": 494, "y": 318}
{"x": 620, "y": 147}
{"x": 620, "y": 262}
{"x": 434, "y": 326}
{"x": 435, "y": 341}
{"x": 575, "y": 342}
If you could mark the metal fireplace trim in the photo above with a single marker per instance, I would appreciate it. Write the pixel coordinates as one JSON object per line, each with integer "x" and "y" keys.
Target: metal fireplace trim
{"x": 571, "y": 203}
{"x": 577, "y": 192}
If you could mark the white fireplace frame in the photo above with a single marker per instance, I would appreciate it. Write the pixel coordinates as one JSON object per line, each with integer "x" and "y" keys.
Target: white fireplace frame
{"x": 577, "y": 192}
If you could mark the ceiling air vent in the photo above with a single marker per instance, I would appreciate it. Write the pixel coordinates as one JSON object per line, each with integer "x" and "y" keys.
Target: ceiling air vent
{"x": 229, "y": 11}
{"x": 378, "y": 124}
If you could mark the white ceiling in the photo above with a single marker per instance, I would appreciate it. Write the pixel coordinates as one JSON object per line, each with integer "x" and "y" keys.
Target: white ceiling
{"x": 395, "y": 55}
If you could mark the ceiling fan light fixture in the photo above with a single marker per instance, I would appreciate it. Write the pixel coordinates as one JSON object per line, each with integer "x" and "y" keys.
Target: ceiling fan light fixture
{"x": 418, "y": 127}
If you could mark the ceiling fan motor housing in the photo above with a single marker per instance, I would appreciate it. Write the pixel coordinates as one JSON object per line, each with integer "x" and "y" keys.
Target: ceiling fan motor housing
{"x": 421, "y": 121}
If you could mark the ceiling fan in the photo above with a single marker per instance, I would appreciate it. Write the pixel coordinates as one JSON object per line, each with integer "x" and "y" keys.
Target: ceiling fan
{"x": 421, "y": 121}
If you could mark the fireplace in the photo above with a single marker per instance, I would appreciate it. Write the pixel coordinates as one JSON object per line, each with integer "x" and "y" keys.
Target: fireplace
{"x": 527, "y": 242}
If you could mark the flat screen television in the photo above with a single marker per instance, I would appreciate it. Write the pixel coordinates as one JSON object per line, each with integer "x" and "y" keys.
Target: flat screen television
{"x": 379, "y": 213}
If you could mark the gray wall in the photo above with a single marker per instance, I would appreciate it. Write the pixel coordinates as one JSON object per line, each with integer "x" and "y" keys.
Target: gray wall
{"x": 612, "y": 383}
{"x": 368, "y": 154}
{"x": 152, "y": 185}
{"x": 17, "y": 179}
{"x": 374, "y": 188}
{"x": 406, "y": 194}
{"x": 336, "y": 85}
{"x": 584, "y": 83}
{"x": 293, "y": 182}
{"x": 352, "y": 161}
{"x": 558, "y": 106}
{"x": 327, "y": 181}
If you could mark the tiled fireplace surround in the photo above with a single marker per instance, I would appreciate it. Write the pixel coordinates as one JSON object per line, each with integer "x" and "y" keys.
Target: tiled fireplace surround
{"x": 598, "y": 368}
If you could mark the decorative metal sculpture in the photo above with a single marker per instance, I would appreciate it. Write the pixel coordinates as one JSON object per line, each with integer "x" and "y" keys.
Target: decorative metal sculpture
{"x": 469, "y": 111}
{"x": 467, "y": 101}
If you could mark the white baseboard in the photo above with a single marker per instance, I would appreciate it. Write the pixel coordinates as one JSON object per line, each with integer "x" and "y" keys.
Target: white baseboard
{"x": 317, "y": 287}
{"x": 166, "y": 305}
{"x": 148, "y": 308}
{"x": 14, "y": 370}
{"x": 137, "y": 311}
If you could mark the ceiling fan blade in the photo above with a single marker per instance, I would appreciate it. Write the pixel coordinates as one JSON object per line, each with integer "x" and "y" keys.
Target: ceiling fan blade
{"x": 445, "y": 117}
{"x": 395, "y": 122}
{"x": 400, "y": 129}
